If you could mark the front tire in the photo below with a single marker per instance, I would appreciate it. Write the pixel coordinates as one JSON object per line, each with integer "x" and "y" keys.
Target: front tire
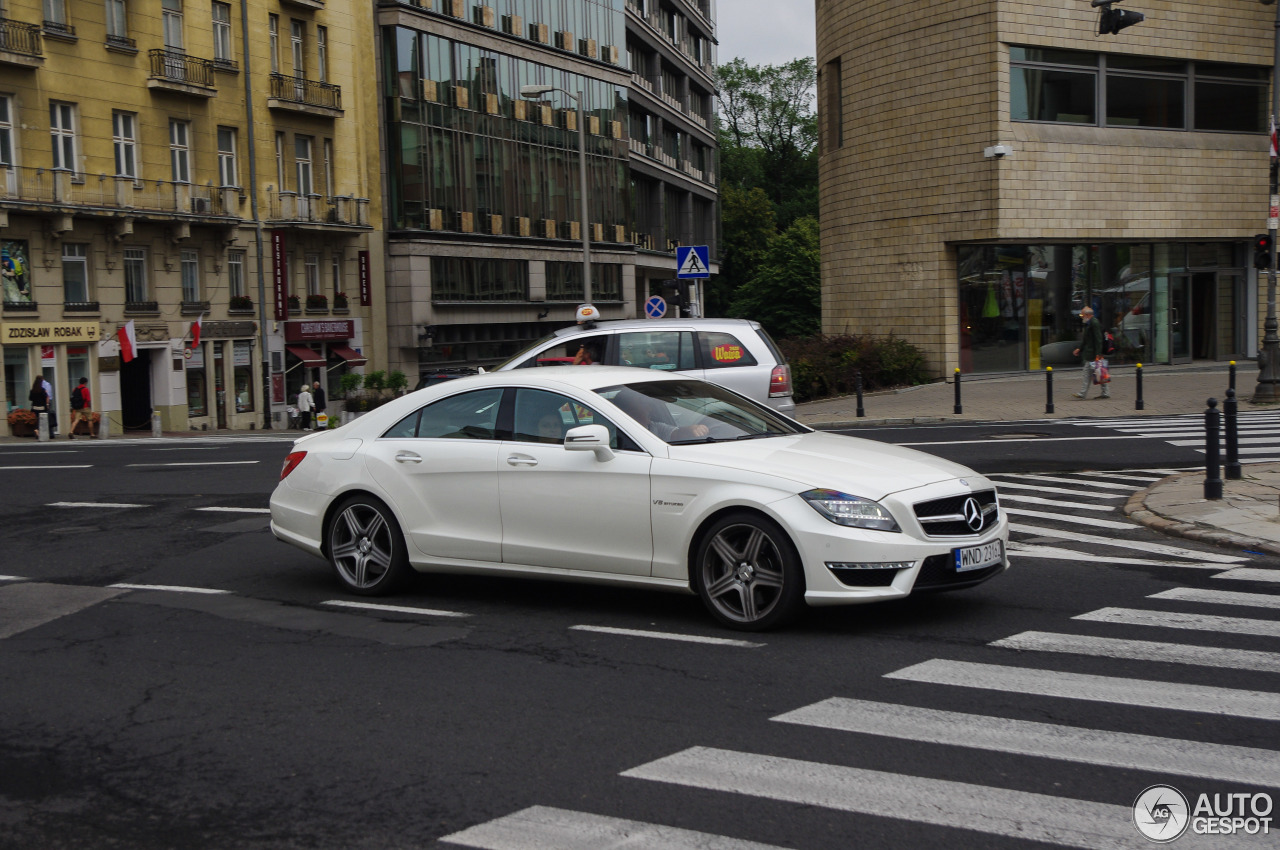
{"x": 747, "y": 572}
{"x": 366, "y": 547}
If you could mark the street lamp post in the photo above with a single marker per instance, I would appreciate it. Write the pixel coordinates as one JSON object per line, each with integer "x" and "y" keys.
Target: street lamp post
{"x": 536, "y": 92}
{"x": 1268, "y": 388}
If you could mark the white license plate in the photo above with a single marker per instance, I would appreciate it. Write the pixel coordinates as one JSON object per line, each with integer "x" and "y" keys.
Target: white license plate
{"x": 977, "y": 557}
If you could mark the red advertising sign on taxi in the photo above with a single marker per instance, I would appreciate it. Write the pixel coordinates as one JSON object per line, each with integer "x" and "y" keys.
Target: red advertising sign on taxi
{"x": 727, "y": 353}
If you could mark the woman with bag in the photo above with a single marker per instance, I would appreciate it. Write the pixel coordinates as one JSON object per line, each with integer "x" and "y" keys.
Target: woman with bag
{"x": 1090, "y": 353}
{"x": 39, "y": 399}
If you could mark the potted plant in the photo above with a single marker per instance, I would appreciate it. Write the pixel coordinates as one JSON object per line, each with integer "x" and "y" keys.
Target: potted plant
{"x": 90, "y": 428}
{"x": 339, "y": 300}
{"x": 317, "y": 301}
{"x": 22, "y": 422}
{"x": 295, "y": 304}
{"x": 397, "y": 382}
{"x": 241, "y": 302}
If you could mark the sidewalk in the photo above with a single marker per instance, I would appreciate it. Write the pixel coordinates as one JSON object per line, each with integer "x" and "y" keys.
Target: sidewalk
{"x": 1246, "y": 518}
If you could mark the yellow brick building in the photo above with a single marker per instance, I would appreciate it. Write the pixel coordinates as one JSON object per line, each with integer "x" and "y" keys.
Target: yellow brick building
{"x": 175, "y": 160}
{"x": 988, "y": 169}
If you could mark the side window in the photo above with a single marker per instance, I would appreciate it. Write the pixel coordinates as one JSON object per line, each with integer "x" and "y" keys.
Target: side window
{"x": 723, "y": 350}
{"x": 543, "y": 417}
{"x": 668, "y": 350}
{"x": 564, "y": 353}
{"x": 468, "y": 416}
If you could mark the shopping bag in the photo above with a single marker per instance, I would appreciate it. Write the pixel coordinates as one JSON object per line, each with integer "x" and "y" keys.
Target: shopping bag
{"x": 1101, "y": 374}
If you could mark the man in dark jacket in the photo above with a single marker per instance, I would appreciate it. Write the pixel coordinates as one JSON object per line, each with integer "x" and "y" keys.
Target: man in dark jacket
{"x": 317, "y": 393}
{"x": 1090, "y": 351}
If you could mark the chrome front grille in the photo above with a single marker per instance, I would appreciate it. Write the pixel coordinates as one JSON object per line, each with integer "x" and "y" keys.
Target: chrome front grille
{"x": 947, "y": 517}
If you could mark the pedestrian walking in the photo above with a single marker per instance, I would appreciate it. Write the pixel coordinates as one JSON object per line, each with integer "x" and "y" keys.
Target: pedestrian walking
{"x": 81, "y": 409}
{"x": 305, "y": 403}
{"x": 1090, "y": 354}
{"x": 319, "y": 400}
{"x": 53, "y": 408}
{"x": 39, "y": 399}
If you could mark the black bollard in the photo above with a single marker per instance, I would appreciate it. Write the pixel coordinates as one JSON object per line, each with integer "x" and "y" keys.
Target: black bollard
{"x": 1231, "y": 470}
{"x": 1212, "y": 480}
{"x": 1231, "y": 379}
{"x": 1048, "y": 390}
{"x": 857, "y": 385}
{"x": 1137, "y": 401}
{"x": 958, "y": 409}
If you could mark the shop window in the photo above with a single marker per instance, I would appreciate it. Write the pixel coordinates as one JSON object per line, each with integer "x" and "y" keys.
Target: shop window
{"x": 242, "y": 364}
{"x": 17, "y": 377}
{"x": 197, "y": 384}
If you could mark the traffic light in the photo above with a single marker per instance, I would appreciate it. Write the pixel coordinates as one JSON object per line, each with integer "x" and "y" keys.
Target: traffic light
{"x": 1111, "y": 21}
{"x": 1262, "y": 251}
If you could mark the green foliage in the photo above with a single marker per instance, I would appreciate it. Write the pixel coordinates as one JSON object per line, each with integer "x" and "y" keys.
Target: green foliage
{"x": 829, "y": 365}
{"x": 784, "y": 294}
{"x": 748, "y": 225}
{"x": 397, "y": 382}
{"x": 350, "y": 382}
{"x": 375, "y": 380}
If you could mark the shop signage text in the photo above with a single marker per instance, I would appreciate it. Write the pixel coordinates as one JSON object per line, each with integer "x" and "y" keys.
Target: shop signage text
{"x": 328, "y": 329}
{"x": 18, "y": 333}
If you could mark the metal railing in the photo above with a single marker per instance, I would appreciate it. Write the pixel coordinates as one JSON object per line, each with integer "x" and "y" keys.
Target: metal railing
{"x": 309, "y": 92}
{"x": 176, "y": 66}
{"x": 122, "y": 41}
{"x": 58, "y": 28}
{"x": 46, "y": 186}
{"x": 17, "y": 37}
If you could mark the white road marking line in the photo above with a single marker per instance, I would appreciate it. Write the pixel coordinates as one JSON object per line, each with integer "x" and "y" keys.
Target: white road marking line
{"x": 958, "y": 805}
{"x": 1144, "y": 650}
{"x": 39, "y": 453}
{"x": 1220, "y": 597}
{"x": 1119, "y": 474}
{"x": 1090, "y": 746}
{"x": 609, "y": 630}
{"x": 1143, "y": 693}
{"x": 93, "y": 505}
{"x": 1024, "y": 550}
{"x": 1036, "y": 500}
{"x": 1093, "y": 522}
{"x": 173, "y": 588}
{"x": 1105, "y": 485}
{"x": 1142, "y": 546}
{"x": 58, "y": 466}
{"x": 1244, "y": 574}
{"x": 12, "y": 578}
{"x": 236, "y": 510}
{"x": 199, "y": 463}
{"x": 546, "y": 828}
{"x": 398, "y": 609}
{"x": 1003, "y": 441}
{"x": 1175, "y": 620}
{"x": 192, "y": 449}
{"x": 1001, "y": 486}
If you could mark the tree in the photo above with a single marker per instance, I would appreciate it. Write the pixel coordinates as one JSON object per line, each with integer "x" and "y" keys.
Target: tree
{"x": 785, "y": 295}
{"x": 748, "y": 224}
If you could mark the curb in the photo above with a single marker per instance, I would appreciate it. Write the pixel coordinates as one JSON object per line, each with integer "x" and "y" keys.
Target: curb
{"x": 1136, "y": 509}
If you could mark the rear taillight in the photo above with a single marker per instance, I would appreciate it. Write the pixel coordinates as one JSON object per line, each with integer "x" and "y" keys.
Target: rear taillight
{"x": 780, "y": 381}
{"x": 291, "y": 463}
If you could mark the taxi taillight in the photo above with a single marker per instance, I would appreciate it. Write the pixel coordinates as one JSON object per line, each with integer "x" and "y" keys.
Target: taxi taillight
{"x": 780, "y": 381}
{"x": 291, "y": 463}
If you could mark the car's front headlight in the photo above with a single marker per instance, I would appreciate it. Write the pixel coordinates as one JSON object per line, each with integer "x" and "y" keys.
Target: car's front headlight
{"x": 853, "y": 511}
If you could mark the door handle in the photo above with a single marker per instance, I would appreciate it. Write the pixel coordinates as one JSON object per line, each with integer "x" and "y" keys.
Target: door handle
{"x": 521, "y": 460}
{"x": 408, "y": 457}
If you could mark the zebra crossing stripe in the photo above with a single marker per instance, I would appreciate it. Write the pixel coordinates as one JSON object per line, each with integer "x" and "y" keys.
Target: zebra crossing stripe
{"x": 1220, "y": 597}
{"x": 999, "y": 734}
{"x": 1111, "y": 476}
{"x": 1246, "y": 574}
{"x": 1087, "y": 485}
{"x": 1014, "y": 485}
{"x": 1143, "y": 650}
{"x": 1057, "y": 503}
{"x": 960, "y": 805}
{"x": 1093, "y": 522}
{"x": 548, "y": 828}
{"x": 1025, "y": 550}
{"x": 1109, "y": 689}
{"x": 1140, "y": 545}
{"x": 1174, "y": 620}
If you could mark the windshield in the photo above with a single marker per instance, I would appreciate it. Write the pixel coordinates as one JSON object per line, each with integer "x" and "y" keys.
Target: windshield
{"x": 683, "y": 412}
{"x": 513, "y": 362}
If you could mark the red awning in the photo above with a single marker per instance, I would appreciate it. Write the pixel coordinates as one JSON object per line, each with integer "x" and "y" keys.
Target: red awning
{"x": 353, "y": 357}
{"x": 309, "y": 357}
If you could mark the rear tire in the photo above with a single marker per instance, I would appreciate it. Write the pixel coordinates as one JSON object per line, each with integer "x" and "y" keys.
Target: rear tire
{"x": 747, "y": 572}
{"x": 366, "y": 547}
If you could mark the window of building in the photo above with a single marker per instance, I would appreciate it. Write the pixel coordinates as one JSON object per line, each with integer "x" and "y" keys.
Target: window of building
{"x": 135, "y": 275}
{"x": 6, "y": 130}
{"x": 311, "y": 272}
{"x": 322, "y": 54}
{"x": 235, "y": 273}
{"x": 117, "y": 21}
{"x": 75, "y": 272}
{"x": 242, "y": 363}
{"x": 328, "y": 168}
{"x": 273, "y": 32}
{"x": 191, "y": 276}
{"x": 55, "y": 12}
{"x": 197, "y": 383}
{"x": 171, "y": 11}
{"x": 280, "y": 161}
{"x": 297, "y": 45}
{"x": 180, "y": 151}
{"x": 831, "y": 87}
{"x": 62, "y": 129}
{"x": 302, "y": 159}
{"x": 1112, "y": 90}
{"x": 466, "y": 279}
{"x": 124, "y": 137}
{"x": 335, "y": 272}
{"x": 222, "y": 32}
{"x": 227, "y": 172}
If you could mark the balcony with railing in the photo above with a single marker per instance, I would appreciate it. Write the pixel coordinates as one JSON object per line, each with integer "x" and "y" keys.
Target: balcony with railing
{"x": 299, "y": 94}
{"x": 20, "y": 44}
{"x": 175, "y": 71}
{"x": 121, "y": 44}
{"x": 60, "y": 31}
{"x": 308, "y": 210}
{"x": 50, "y": 190}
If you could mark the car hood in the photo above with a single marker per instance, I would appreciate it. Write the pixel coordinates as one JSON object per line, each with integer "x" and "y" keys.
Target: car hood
{"x": 852, "y": 465}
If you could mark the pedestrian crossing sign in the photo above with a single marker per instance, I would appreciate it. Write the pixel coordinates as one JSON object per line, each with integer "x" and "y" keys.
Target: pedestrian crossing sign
{"x": 692, "y": 261}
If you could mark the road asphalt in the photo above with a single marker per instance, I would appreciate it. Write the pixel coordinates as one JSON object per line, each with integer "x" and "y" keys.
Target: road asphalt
{"x": 1246, "y": 517}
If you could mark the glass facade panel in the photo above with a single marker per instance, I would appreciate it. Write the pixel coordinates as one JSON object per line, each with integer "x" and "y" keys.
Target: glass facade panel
{"x": 1146, "y": 102}
{"x": 1041, "y": 94}
{"x": 1230, "y": 107}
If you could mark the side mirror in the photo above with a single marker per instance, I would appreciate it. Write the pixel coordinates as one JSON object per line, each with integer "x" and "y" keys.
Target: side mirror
{"x": 589, "y": 438}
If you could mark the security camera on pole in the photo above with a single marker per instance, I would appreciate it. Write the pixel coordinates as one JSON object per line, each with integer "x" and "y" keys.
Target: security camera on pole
{"x": 1111, "y": 21}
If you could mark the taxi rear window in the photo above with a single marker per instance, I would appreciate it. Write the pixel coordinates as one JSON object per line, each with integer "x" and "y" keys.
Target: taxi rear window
{"x": 723, "y": 350}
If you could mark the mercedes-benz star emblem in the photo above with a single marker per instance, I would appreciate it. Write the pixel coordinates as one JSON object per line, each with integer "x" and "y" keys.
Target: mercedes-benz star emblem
{"x": 973, "y": 513}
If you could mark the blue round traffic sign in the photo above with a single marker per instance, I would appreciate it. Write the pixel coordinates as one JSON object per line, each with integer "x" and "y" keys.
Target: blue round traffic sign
{"x": 655, "y": 307}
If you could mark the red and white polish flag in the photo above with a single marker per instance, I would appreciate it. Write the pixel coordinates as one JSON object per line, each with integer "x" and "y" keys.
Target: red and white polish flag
{"x": 195, "y": 330}
{"x": 128, "y": 341}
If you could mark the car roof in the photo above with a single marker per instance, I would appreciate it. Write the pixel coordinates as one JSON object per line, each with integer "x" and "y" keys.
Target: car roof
{"x": 655, "y": 325}
{"x": 577, "y": 377}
